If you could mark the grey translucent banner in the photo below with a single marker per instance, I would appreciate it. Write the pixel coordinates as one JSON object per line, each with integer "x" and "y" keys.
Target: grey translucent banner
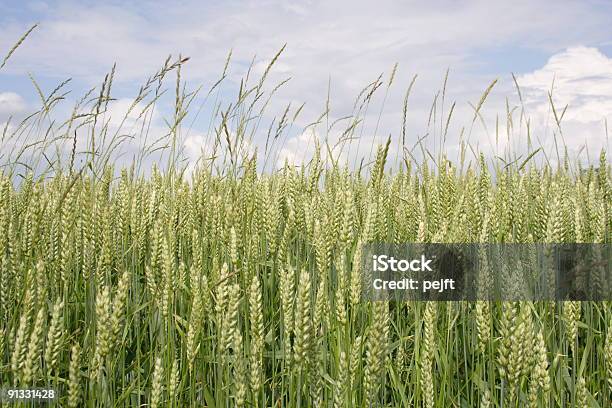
{"x": 505, "y": 272}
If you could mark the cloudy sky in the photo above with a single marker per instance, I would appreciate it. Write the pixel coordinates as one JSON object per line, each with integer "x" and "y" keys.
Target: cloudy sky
{"x": 340, "y": 47}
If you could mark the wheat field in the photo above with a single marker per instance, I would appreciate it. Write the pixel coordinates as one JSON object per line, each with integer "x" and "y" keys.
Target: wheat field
{"x": 246, "y": 291}
{"x": 242, "y": 288}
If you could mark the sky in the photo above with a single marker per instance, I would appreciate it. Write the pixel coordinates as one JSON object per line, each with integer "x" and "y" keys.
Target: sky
{"x": 561, "y": 48}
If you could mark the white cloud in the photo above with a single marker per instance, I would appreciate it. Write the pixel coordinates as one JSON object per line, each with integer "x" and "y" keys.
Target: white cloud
{"x": 198, "y": 146}
{"x": 300, "y": 149}
{"x": 582, "y": 82}
{"x": 201, "y": 148}
{"x": 123, "y": 112}
{"x": 11, "y": 103}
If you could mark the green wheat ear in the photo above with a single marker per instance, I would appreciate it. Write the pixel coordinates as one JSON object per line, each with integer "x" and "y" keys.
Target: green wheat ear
{"x": 74, "y": 388}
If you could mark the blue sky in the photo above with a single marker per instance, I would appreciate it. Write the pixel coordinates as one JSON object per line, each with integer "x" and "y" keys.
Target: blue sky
{"x": 347, "y": 43}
